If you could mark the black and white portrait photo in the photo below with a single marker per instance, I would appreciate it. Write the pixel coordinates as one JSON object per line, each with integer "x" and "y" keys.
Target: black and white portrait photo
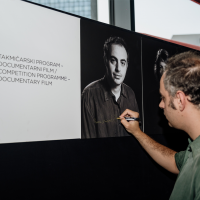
{"x": 106, "y": 97}
{"x": 160, "y": 63}
{"x": 154, "y": 65}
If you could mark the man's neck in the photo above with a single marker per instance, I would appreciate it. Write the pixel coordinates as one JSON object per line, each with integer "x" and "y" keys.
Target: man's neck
{"x": 193, "y": 124}
{"x": 116, "y": 91}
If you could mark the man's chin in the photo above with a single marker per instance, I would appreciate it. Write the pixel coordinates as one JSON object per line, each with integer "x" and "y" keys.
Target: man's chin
{"x": 118, "y": 82}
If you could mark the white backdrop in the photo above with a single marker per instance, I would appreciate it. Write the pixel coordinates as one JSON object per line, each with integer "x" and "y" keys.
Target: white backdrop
{"x": 33, "y": 107}
{"x": 165, "y": 18}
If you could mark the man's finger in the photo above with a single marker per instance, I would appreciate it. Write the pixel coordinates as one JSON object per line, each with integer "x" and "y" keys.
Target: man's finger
{"x": 124, "y": 122}
{"x": 125, "y": 113}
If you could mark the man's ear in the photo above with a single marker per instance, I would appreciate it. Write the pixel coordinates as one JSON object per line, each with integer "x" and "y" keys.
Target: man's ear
{"x": 181, "y": 100}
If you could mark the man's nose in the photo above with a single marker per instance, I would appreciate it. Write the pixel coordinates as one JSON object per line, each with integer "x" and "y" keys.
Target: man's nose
{"x": 161, "y": 104}
{"x": 117, "y": 67}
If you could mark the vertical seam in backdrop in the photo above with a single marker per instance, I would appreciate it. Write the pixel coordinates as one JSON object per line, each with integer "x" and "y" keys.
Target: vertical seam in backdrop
{"x": 142, "y": 90}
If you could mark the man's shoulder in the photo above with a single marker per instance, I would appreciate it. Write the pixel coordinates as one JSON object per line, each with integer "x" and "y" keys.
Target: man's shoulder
{"x": 196, "y": 157}
{"x": 93, "y": 88}
{"x": 94, "y": 85}
{"x": 126, "y": 86}
{"x": 195, "y": 146}
{"x": 196, "y": 169}
{"x": 128, "y": 89}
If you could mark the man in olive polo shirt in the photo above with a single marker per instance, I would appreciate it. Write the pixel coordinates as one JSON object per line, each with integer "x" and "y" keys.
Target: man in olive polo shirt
{"x": 180, "y": 92}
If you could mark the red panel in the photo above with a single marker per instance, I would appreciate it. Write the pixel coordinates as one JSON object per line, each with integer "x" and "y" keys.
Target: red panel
{"x": 176, "y": 42}
{"x": 196, "y": 1}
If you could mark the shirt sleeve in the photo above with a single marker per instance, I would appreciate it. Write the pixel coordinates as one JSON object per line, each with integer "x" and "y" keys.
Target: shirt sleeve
{"x": 179, "y": 158}
{"x": 87, "y": 121}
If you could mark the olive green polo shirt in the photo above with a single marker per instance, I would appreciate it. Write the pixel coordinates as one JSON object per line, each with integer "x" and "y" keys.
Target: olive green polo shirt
{"x": 187, "y": 185}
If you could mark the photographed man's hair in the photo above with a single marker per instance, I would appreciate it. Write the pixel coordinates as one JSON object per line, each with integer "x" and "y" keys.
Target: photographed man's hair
{"x": 114, "y": 40}
{"x": 183, "y": 73}
{"x": 162, "y": 56}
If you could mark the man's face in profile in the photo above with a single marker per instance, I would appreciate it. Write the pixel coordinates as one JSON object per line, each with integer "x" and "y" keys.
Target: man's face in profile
{"x": 117, "y": 64}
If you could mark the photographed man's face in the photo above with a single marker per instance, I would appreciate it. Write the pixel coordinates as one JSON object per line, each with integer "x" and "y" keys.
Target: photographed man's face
{"x": 117, "y": 64}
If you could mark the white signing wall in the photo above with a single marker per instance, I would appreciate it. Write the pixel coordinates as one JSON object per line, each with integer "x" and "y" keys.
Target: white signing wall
{"x": 39, "y": 73}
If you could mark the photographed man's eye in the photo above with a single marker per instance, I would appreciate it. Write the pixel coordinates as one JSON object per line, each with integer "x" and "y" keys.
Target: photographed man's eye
{"x": 123, "y": 63}
{"x": 113, "y": 61}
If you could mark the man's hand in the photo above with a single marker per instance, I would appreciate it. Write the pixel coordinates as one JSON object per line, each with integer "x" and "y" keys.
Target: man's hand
{"x": 131, "y": 126}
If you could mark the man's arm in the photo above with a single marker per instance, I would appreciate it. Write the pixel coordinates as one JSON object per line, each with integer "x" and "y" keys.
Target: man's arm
{"x": 161, "y": 154}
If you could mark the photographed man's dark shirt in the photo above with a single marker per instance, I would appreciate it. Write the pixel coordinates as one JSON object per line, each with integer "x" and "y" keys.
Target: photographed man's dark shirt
{"x": 100, "y": 110}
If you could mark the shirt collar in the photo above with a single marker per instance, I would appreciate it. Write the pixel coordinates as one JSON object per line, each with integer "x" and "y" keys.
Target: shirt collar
{"x": 194, "y": 146}
{"x": 123, "y": 91}
{"x": 107, "y": 93}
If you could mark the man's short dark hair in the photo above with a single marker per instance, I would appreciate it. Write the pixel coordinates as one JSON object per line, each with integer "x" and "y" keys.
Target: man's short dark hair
{"x": 162, "y": 56}
{"x": 183, "y": 73}
{"x": 114, "y": 40}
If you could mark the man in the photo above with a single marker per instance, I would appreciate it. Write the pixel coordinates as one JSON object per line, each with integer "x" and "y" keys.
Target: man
{"x": 104, "y": 99}
{"x": 180, "y": 92}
